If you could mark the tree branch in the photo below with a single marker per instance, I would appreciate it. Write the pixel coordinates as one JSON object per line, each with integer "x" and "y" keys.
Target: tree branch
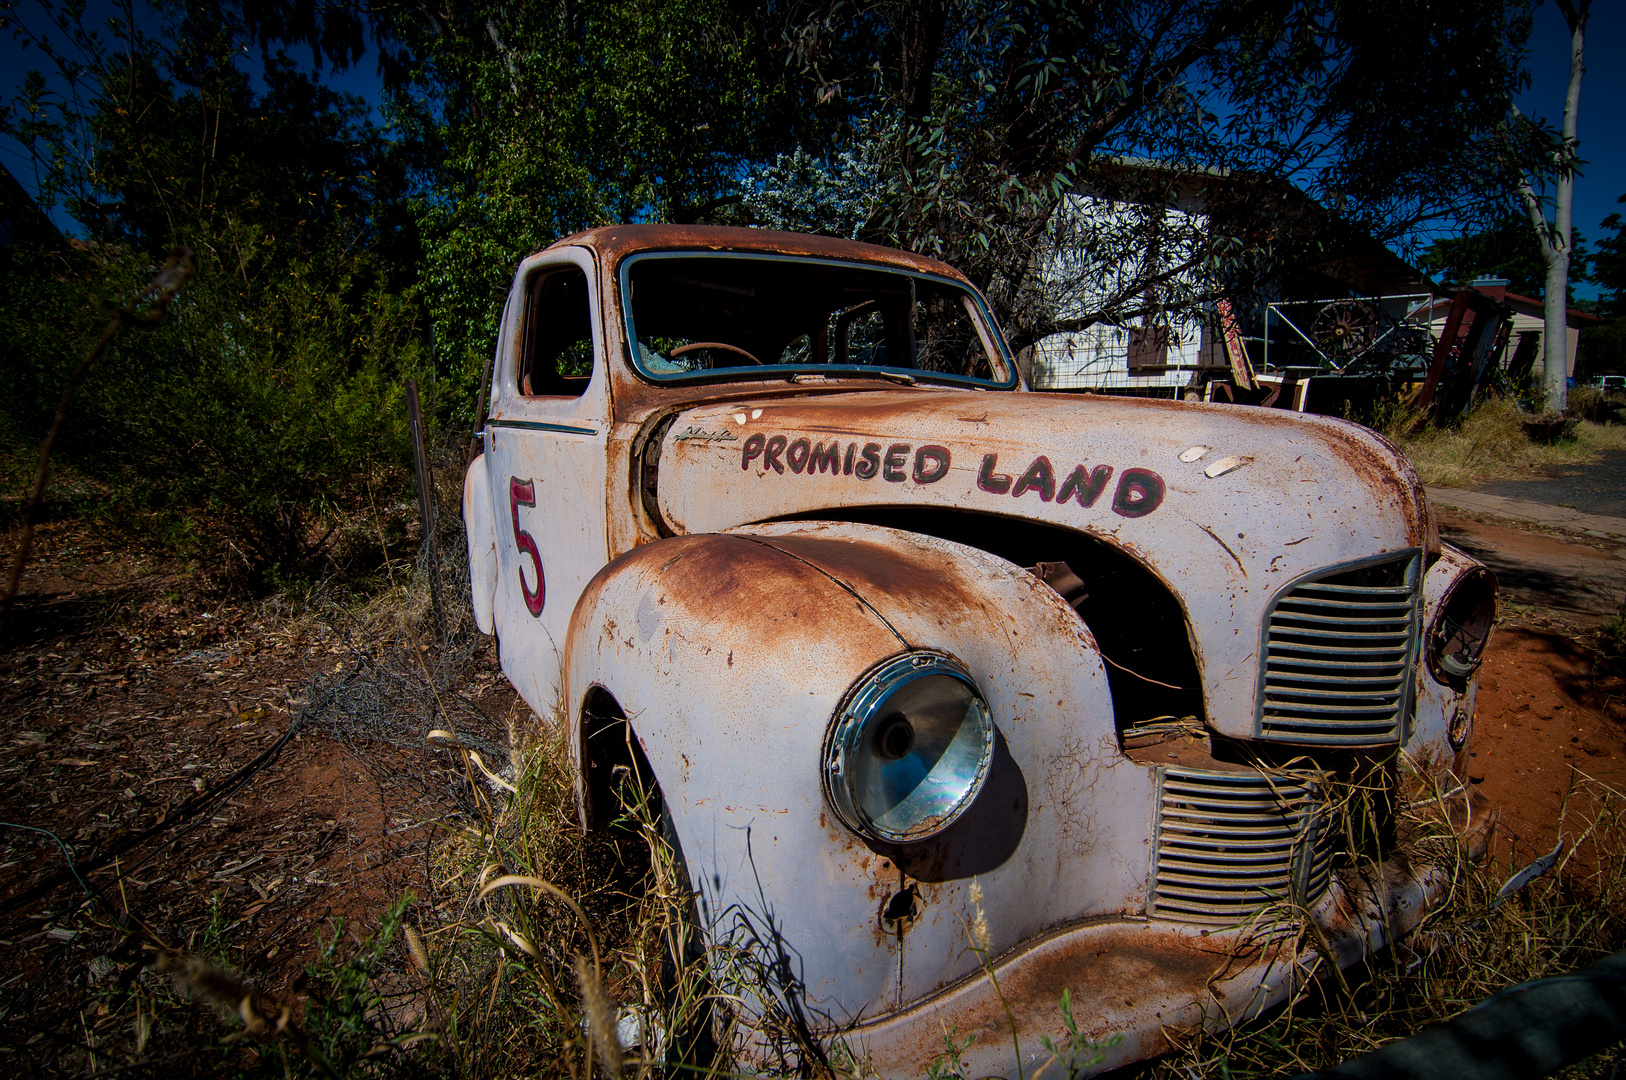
{"x": 1527, "y": 195}
{"x": 1146, "y": 90}
{"x": 1110, "y": 306}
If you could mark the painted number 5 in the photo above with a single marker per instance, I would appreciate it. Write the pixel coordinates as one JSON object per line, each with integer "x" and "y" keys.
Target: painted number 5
{"x": 523, "y": 493}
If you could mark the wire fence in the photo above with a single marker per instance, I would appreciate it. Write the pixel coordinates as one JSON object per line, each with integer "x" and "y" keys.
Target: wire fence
{"x": 413, "y": 671}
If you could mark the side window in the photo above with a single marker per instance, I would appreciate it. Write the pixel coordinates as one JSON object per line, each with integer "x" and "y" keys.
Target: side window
{"x": 557, "y": 359}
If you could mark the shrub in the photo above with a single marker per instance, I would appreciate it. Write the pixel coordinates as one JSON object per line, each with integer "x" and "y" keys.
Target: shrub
{"x": 246, "y": 427}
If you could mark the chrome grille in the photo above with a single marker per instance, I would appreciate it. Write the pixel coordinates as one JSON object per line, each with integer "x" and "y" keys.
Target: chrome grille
{"x": 1337, "y": 655}
{"x": 1230, "y": 844}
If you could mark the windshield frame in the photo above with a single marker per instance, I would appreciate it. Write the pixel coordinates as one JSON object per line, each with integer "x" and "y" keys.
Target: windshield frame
{"x": 988, "y": 331}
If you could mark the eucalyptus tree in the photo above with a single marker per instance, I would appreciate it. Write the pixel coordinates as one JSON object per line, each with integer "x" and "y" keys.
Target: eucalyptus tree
{"x": 1545, "y": 163}
{"x": 1508, "y": 249}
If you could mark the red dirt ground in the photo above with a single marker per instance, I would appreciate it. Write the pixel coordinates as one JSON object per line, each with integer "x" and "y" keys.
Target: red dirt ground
{"x": 1547, "y": 716}
{"x": 1545, "y": 719}
{"x": 121, "y": 701}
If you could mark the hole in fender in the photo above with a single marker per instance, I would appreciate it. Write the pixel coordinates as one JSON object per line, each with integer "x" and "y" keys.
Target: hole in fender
{"x": 903, "y": 908}
{"x": 984, "y": 837}
{"x": 1461, "y": 723}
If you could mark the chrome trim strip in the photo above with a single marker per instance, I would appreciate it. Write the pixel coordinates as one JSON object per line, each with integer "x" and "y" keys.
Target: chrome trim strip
{"x": 538, "y": 425}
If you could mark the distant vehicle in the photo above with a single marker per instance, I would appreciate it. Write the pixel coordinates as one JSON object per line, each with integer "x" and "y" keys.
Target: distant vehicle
{"x": 1609, "y": 384}
{"x": 774, "y": 520}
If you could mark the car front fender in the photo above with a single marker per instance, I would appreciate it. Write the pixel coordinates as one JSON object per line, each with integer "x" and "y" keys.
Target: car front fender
{"x": 729, "y": 653}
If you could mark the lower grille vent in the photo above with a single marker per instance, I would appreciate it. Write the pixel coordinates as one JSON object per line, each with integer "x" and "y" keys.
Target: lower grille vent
{"x": 1230, "y": 844}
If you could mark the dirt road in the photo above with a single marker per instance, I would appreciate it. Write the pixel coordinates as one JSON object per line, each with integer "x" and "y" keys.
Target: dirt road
{"x": 1567, "y": 579}
{"x": 1597, "y": 487}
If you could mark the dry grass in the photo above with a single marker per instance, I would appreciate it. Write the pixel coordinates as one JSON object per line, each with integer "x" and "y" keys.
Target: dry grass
{"x": 551, "y": 955}
{"x": 590, "y": 948}
{"x": 565, "y": 955}
{"x": 1490, "y": 444}
{"x": 1469, "y": 947}
{"x": 559, "y": 938}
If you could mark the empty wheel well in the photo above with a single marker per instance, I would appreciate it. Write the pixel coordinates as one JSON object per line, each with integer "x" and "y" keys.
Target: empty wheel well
{"x": 1136, "y": 619}
{"x": 611, "y": 758}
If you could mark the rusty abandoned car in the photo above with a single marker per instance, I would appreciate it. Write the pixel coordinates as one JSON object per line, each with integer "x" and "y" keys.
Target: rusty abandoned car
{"x": 966, "y": 694}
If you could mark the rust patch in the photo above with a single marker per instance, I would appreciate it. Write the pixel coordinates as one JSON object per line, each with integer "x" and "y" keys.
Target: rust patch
{"x": 859, "y": 413}
{"x": 1118, "y": 978}
{"x": 761, "y": 594}
{"x": 614, "y": 242}
{"x": 724, "y": 575}
{"x": 637, "y": 400}
{"x": 873, "y": 569}
{"x": 1186, "y": 749}
{"x": 1121, "y": 969}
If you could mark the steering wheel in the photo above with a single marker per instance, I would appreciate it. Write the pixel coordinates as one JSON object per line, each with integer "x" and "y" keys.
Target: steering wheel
{"x": 696, "y": 346}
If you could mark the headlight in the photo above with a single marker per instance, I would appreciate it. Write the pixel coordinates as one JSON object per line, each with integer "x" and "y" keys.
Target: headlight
{"x": 909, "y": 748}
{"x": 1457, "y": 637}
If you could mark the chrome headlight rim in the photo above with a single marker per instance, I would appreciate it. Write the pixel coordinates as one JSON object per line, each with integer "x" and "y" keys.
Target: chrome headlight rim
{"x": 1454, "y": 669}
{"x": 860, "y": 708}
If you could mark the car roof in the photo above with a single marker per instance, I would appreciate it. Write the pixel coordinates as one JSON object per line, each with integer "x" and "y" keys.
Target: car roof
{"x": 615, "y": 242}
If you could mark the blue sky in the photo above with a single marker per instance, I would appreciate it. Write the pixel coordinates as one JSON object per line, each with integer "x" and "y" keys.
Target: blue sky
{"x": 1602, "y": 121}
{"x": 1601, "y": 124}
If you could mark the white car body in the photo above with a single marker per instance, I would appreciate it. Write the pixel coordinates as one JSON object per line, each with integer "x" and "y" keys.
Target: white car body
{"x": 699, "y": 552}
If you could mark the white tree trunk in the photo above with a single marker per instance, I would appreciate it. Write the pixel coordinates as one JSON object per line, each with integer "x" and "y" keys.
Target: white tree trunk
{"x": 1555, "y": 333}
{"x": 1555, "y": 239}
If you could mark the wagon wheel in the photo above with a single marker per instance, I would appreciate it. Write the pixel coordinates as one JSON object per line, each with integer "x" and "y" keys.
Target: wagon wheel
{"x": 1345, "y": 329}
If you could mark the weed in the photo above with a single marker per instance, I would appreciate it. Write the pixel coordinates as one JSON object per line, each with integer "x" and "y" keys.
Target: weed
{"x": 1469, "y": 947}
{"x": 1077, "y": 1053}
{"x": 1612, "y": 641}
{"x": 1490, "y": 443}
{"x": 950, "y": 1063}
{"x": 1590, "y": 403}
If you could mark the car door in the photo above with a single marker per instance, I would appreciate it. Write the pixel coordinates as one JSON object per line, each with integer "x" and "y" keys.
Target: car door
{"x": 546, "y": 437}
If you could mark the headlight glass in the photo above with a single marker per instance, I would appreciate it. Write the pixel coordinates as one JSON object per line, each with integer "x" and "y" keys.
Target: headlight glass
{"x": 909, "y": 749}
{"x": 1456, "y": 640}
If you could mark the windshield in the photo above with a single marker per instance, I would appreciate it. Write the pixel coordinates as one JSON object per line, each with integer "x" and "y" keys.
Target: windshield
{"x": 697, "y": 316}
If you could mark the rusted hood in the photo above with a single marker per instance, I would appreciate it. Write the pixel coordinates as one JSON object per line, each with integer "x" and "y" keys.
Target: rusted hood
{"x": 1265, "y": 483}
{"x": 1226, "y": 504}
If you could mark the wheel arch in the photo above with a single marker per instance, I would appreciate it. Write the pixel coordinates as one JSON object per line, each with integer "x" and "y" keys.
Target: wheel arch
{"x": 726, "y": 655}
{"x": 605, "y": 744}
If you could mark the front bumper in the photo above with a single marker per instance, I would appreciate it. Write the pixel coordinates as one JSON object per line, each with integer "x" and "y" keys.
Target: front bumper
{"x": 1149, "y": 983}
